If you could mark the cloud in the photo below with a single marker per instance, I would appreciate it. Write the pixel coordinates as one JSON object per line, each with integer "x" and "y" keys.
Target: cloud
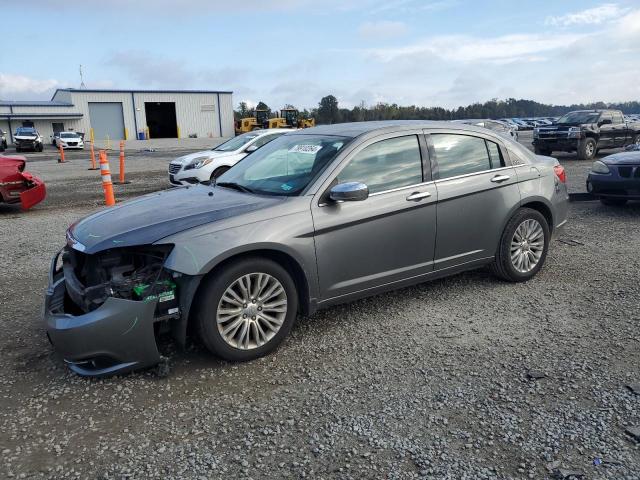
{"x": 382, "y": 30}
{"x": 10, "y": 85}
{"x": 467, "y": 49}
{"x": 590, "y": 16}
{"x": 408, "y": 6}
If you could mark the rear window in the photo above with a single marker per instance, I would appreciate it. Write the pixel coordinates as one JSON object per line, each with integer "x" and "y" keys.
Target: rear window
{"x": 460, "y": 154}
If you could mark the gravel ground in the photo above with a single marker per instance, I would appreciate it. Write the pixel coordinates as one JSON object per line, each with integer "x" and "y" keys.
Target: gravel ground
{"x": 465, "y": 377}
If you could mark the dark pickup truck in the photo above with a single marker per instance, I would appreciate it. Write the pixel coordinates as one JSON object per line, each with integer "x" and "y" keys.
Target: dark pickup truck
{"x": 586, "y": 132}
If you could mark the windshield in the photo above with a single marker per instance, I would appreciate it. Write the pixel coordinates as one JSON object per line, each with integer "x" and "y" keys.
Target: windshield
{"x": 25, "y": 131}
{"x": 579, "y": 117}
{"x": 284, "y": 166}
{"x": 68, "y": 135}
{"x": 236, "y": 142}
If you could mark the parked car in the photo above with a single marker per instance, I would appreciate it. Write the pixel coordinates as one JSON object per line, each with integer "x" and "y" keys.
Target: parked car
{"x": 502, "y": 128}
{"x": 205, "y": 166}
{"x": 27, "y": 138}
{"x": 18, "y": 186}
{"x": 586, "y": 132}
{"x": 316, "y": 217}
{"x": 615, "y": 179}
{"x": 68, "y": 140}
{"x": 3, "y": 140}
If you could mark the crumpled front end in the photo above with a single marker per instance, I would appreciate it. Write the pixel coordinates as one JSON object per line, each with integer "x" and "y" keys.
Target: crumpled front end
{"x": 103, "y": 311}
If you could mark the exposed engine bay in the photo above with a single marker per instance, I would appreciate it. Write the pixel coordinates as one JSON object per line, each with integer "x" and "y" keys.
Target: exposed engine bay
{"x": 134, "y": 273}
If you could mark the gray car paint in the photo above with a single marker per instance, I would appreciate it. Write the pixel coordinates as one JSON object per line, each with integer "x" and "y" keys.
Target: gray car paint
{"x": 342, "y": 251}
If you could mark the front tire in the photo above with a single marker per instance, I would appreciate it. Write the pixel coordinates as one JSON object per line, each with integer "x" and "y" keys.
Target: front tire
{"x": 523, "y": 246}
{"x": 587, "y": 149}
{"x": 613, "y": 202}
{"x": 246, "y": 309}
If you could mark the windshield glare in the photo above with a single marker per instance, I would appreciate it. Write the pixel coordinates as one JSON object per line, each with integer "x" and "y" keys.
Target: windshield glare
{"x": 68, "y": 135}
{"x": 236, "y": 142}
{"x": 579, "y": 117}
{"x": 286, "y": 165}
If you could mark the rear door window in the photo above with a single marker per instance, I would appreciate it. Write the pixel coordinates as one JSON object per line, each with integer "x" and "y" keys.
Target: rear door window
{"x": 463, "y": 154}
{"x": 385, "y": 165}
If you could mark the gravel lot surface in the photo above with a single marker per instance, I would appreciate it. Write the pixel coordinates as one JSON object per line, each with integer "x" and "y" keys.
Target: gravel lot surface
{"x": 465, "y": 377}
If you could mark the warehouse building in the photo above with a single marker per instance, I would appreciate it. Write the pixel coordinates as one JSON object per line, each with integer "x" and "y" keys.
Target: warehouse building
{"x": 124, "y": 114}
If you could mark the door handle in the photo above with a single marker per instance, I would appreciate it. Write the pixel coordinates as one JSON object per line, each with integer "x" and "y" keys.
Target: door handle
{"x": 417, "y": 196}
{"x": 500, "y": 178}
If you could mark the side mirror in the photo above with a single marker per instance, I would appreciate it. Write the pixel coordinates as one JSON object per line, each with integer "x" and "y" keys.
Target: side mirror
{"x": 251, "y": 148}
{"x": 349, "y": 192}
{"x": 606, "y": 121}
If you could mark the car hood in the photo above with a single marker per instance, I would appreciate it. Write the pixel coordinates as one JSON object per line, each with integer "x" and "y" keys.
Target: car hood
{"x": 204, "y": 153}
{"x": 622, "y": 158}
{"x": 152, "y": 217}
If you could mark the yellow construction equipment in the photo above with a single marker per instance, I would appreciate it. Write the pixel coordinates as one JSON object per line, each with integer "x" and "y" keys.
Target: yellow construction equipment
{"x": 258, "y": 122}
{"x": 289, "y": 118}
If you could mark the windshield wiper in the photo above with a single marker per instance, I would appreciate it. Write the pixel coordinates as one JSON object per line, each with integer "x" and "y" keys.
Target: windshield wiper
{"x": 235, "y": 186}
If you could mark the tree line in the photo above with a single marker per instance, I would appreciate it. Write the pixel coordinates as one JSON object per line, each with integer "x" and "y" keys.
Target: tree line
{"x": 328, "y": 110}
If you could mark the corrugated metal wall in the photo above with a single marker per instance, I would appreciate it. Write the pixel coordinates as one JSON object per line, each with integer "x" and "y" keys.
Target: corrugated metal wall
{"x": 196, "y": 113}
{"x": 226, "y": 113}
{"x": 81, "y": 101}
{"x": 203, "y": 114}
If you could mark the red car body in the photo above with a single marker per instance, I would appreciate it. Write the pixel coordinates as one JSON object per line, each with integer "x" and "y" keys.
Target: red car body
{"x": 18, "y": 186}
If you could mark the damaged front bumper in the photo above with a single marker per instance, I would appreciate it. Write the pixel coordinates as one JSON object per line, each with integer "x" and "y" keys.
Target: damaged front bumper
{"x": 35, "y": 192}
{"x": 116, "y": 337}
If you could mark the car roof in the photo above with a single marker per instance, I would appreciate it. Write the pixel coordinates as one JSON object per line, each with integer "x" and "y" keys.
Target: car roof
{"x": 355, "y": 129}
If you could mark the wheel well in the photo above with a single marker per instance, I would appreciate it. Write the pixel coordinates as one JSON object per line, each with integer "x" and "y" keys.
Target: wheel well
{"x": 289, "y": 263}
{"x": 543, "y": 209}
{"x": 592, "y": 135}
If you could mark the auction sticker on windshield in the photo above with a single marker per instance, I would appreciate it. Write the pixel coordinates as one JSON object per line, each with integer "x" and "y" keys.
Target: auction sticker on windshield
{"x": 310, "y": 149}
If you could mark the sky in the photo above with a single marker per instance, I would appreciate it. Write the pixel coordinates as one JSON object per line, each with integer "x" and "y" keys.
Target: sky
{"x": 424, "y": 52}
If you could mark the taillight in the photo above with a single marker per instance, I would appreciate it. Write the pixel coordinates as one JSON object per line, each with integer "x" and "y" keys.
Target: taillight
{"x": 560, "y": 173}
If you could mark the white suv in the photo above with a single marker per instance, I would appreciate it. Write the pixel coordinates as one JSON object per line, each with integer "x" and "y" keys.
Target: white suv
{"x": 204, "y": 166}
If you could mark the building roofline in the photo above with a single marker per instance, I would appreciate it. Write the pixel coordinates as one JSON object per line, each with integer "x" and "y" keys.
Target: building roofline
{"x": 91, "y": 90}
{"x": 26, "y": 103}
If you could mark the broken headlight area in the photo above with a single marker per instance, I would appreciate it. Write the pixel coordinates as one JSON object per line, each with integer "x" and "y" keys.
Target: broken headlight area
{"x": 131, "y": 273}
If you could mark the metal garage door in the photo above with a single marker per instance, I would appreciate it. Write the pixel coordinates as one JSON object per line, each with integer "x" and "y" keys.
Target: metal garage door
{"x": 106, "y": 120}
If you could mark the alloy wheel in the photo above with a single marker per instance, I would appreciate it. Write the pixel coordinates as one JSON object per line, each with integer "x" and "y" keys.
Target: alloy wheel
{"x": 251, "y": 311}
{"x": 527, "y": 245}
{"x": 590, "y": 149}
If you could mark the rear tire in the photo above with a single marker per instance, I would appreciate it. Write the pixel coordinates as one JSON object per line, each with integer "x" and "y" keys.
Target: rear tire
{"x": 613, "y": 202}
{"x": 587, "y": 149}
{"x": 526, "y": 237}
{"x": 265, "y": 325}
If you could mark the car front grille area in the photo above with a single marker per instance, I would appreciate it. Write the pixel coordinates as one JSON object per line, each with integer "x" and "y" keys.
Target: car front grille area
{"x": 629, "y": 171}
{"x": 174, "y": 168}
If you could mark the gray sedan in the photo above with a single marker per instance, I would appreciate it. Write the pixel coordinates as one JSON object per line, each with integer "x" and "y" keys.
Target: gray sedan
{"x": 315, "y": 218}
